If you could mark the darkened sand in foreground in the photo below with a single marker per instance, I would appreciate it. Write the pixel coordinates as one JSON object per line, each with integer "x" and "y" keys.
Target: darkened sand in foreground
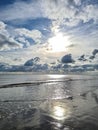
{"x": 48, "y": 102}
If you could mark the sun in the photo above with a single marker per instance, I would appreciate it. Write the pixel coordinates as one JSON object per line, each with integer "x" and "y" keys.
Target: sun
{"x": 58, "y": 43}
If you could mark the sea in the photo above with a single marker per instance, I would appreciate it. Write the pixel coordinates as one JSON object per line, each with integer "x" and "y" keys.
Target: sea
{"x": 35, "y": 101}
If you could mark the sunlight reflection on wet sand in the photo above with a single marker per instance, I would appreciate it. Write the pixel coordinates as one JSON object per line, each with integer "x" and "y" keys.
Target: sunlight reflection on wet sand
{"x": 56, "y": 109}
{"x": 60, "y": 105}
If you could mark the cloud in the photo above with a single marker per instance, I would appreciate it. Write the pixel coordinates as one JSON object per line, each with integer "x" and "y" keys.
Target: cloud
{"x": 4, "y": 67}
{"x": 95, "y": 51}
{"x": 67, "y": 59}
{"x": 21, "y": 10}
{"x": 84, "y": 68}
{"x": 93, "y": 56}
{"x": 76, "y": 19}
{"x": 62, "y": 12}
{"x": 88, "y": 13}
{"x": 15, "y": 38}
{"x": 36, "y": 64}
{"x": 32, "y": 62}
{"x": 2, "y": 25}
{"x": 7, "y": 43}
{"x": 3, "y": 29}
{"x": 33, "y": 34}
{"x": 82, "y": 58}
{"x": 23, "y": 41}
{"x": 46, "y": 68}
{"x": 77, "y": 2}
{"x": 68, "y": 12}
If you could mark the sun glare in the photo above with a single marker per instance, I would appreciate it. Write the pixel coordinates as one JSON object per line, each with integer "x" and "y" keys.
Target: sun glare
{"x": 58, "y": 43}
{"x": 61, "y": 112}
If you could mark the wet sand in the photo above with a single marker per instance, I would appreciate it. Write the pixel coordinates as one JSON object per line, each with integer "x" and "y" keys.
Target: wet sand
{"x": 58, "y": 103}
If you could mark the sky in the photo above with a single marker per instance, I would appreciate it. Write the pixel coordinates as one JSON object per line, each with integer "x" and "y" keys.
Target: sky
{"x": 49, "y": 35}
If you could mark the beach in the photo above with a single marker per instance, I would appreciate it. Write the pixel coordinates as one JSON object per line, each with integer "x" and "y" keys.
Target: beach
{"x": 48, "y": 102}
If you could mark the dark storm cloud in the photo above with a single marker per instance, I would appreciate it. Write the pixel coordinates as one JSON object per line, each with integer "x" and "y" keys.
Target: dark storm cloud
{"x": 32, "y": 62}
{"x": 95, "y": 52}
{"x": 82, "y": 58}
{"x": 93, "y": 56}
{"x": 67, "y": 59}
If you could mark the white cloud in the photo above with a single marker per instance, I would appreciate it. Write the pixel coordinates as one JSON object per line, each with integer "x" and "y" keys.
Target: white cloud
{"x": 77, "y": 2}
{"x": 33, "y": 34}
{"x": 21, "y": 10}
{"x": 89, "y": 12}
{"x": 19, "y": 37}
{"x": 2, "y": 25}
{"x": 57, "y": 10}
{"x": 60, "y": 12}
{"x": 3, "y": 29}
{"x": 64, "y": 12}
{"x": 43, "y": 64}
{"x": 6, "y": 41}
{"x": 23, "y": 41}
{"x": 92, "y": 11}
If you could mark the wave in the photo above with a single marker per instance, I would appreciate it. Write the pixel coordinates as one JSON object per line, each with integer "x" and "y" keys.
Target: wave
{"x": 39, "y": 82}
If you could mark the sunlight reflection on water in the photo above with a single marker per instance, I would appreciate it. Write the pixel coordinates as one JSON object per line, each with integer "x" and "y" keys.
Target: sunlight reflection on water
{"x": 55, "y": 113}
{"x": 57, "y": 103}
{"x": 57, "y": 110}
{"x": 54, "y": 76}
{"x": 60, "y": 112}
